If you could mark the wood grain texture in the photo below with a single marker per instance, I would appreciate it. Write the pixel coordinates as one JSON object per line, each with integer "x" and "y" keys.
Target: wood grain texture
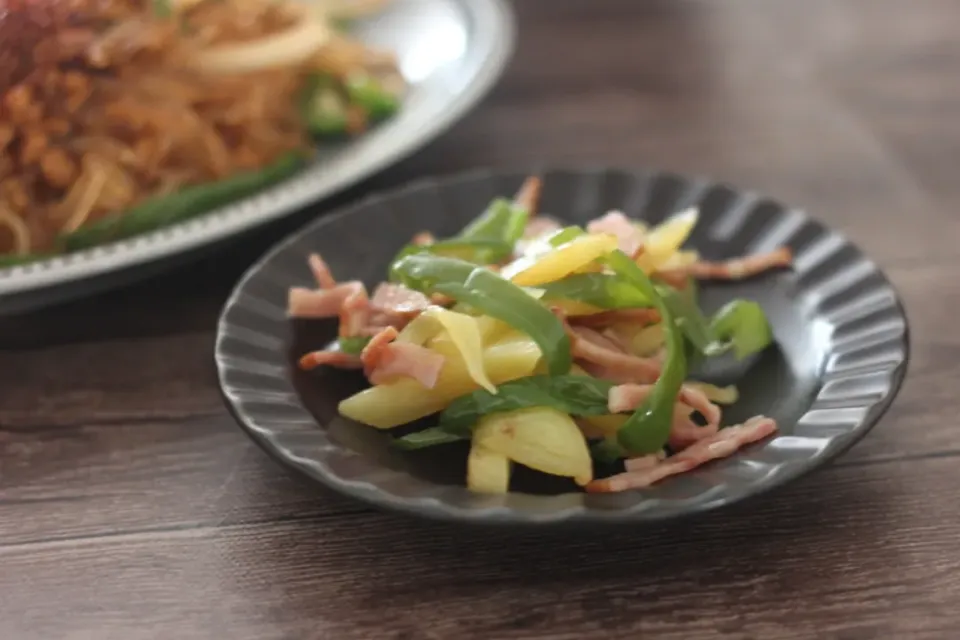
{"x": 131, "y": 507}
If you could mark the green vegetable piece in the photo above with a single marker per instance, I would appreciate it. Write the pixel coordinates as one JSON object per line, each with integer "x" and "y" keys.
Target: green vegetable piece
{"x": 502, "y": 221}
{"x": 607, "y": 451}
{"x": 323, "y": 108}
{"x": 743, "y": 325}
{"x": 598, "y": 289}
{"x": 487, "y": 240}
{"x": 563, "y": 236}
{"x": 576, "y": 395}
{"x": 740, "y": 325}
{"x": 177, "y": 207}
{"x": 429, "y": 437}
{"x": 353, "y": 345}
{"x": 690, "y": 319}
{"x": 162, "y": 8}
{"x": 647, "y": 430}
{"x": 367, "y": 92}
{"x": 490, "y": 294}
{"x": 16, "y": 259}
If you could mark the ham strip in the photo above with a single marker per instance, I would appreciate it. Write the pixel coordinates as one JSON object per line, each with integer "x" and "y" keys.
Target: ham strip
{"x": 627, "y": 397}
{"x": 355, "y": 313}
{"x": 528, "y": 197}
{"x": 683, "y": 431}
{"x": 629, "y": 237}
{"x": 321, "y": 303}
{"x": 392, "y": 298}
{"x": 605, "y": 359}
{"x": 736, "y": 269}
{"x": 606, "y": 318}
{"x": 330, "y": 358}
{"x": 385, "y": 360}
{"x": 399, "y": 359}
{"x": 370, "y": 356}
{"x": 644, "y": 462}
{"x": 539, "y": 226}
{"x": 720, "y": 445}
{"x": 423, "y": 238}
{"x": 321, "y": 272}
{"x": 676, "y": 278}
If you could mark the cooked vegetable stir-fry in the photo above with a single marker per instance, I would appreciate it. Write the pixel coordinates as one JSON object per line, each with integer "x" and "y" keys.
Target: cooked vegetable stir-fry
{"x": 546, "y": 346}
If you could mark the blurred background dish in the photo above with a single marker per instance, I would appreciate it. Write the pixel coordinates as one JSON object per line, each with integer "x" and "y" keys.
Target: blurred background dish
{"x": 448, "y": 53}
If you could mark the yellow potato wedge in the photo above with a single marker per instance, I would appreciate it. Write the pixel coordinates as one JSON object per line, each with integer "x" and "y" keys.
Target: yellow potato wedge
{"x": 464, "y": 334}
{"x": 389, "y": 405}
{"x": 487, "y": 471}
{"x": 666, "y": 239}
{"x": 568, "y": 258}
{"x": 647, "y": 341}
{"x": 540, "y": 438}
{"x": 721, "y": 395}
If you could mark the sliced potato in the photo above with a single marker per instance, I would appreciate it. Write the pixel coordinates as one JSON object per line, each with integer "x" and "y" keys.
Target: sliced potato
{"x": 666, "y": 239}
{"x": 648, "y": 341}
{"x": 492, "y": 329}
{"x": 487, "y": 471}
{"x": 721, "y": 395}
{"x": 566, "y": 259}
{"x": 540, "y": 438}
{"x": 389, "y": 405}
{"x": 464, "y": 334}
{"x": 680, "y": 259}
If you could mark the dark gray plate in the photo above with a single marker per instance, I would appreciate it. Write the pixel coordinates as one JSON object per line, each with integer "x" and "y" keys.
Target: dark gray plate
{"x": 840, "y": 329}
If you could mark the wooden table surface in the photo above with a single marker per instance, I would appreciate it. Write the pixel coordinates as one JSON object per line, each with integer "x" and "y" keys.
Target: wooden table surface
{"x": 132, "y": 507}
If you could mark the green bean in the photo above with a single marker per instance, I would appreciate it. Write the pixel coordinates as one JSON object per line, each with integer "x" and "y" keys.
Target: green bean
{"x": 190, "y": 201}
{"x": 323, "y": 108}
{"x": 368, "y": 93}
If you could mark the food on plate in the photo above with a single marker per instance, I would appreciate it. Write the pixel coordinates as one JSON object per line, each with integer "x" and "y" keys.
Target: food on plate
{"x": 123, "y": 116}
{"x": 547, "y": 346}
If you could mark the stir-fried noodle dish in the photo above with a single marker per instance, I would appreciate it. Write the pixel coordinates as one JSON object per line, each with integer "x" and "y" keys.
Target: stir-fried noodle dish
{"x": 122, "y": 116}
{"x": 547, "y": 346}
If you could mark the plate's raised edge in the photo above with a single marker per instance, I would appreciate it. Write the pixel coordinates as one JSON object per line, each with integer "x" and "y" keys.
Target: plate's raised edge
{"x": 495, "y": 39}
{"x": 856, "y": 393}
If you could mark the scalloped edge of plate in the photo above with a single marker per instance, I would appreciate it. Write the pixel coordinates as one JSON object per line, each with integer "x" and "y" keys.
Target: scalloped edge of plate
{"x": 860, "y": 376}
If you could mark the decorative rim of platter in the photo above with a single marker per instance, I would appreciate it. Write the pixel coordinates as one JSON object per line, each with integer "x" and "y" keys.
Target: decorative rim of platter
{"x": 491, "y": 40}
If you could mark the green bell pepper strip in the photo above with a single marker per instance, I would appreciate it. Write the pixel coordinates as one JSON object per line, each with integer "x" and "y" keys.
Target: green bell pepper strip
{"x": 564, "y": 235}
{"x": 503, "y": 221}
{"x": 162, "y": 8}
{"x": 689, "y": 318}
{"x": 323, "y": 108}
{"x": 648, "y": 429}
{"x": 179, "y": 206}
{"x": 368, "y": 93}
{"x": 490, "y": 294}
{"x": 353, "y": 345}
{"x": 487, "y": 240}
{"x": 16, "y": 259}
{"x": 572, "y": 394}
{"x": 475, "y": 251}
{"x": 601, "y": 290}
{"x": 429, "y": 437}
{"x": 742, "y": 325}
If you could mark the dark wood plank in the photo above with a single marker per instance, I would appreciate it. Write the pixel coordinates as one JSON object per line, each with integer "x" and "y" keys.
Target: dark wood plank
{"x": 132, "y": 507}
{"x": 793, "y": 565}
